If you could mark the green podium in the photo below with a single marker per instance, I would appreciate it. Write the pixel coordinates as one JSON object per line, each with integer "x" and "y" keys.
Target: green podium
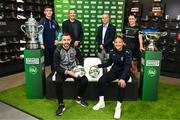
{"x": 34, "y": 73}
{"x": 149, "y": 76}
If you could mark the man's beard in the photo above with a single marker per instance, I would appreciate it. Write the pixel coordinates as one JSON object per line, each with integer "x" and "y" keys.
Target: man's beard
{"x": 66, "y": 45}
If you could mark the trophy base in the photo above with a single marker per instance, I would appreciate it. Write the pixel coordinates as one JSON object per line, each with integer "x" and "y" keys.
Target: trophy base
{"x": 151, "y": 47}
{"x": 32, "y": 46}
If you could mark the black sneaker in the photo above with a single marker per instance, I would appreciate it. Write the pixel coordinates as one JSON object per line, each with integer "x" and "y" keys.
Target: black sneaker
{"x": 60, "y": 110}
{"x": 82, "y": 102}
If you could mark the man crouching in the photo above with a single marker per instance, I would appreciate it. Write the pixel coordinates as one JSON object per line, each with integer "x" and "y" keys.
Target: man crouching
{"x": 64, "y": 61}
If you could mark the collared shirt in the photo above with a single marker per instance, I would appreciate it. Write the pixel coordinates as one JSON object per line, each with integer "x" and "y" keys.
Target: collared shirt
{"x": 104, "y": 31}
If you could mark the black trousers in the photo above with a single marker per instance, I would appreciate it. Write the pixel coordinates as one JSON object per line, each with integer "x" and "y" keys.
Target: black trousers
{"x": 81, "y": 84}
{"x": 49, "y": 52}
{"x": 107, "y": 78}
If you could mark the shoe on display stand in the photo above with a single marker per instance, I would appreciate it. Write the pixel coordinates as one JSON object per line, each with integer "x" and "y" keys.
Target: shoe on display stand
{"x": 19, "y": 1}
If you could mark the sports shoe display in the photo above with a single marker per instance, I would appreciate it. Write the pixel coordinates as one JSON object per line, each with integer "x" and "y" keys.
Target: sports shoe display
{"x": 20, "y": 9}
{"x": 99, "y": 105}
{"x": 60, "y": 110}
{"x": 117, "y": 113}
{"x": 1, "y": 15}
{"x": 19, "y": 1}
{"x": 21, "y": 17}
{"x": 82, "y": 102}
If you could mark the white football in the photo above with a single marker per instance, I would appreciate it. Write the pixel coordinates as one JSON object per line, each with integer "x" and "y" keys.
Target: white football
{"x": 79, "y": 71}
{"x": 94, "y": 72}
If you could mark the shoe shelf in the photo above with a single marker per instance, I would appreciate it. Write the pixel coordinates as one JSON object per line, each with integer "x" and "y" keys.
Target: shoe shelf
{"x": 14, "y": 13}
{"x": 154, "y": 17}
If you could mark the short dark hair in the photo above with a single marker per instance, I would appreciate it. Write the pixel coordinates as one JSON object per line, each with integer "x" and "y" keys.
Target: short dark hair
{"x": 65, "y": 34}
{"x": 71, "y": 9}
{"x": 132, "y": 15}
{"x": 48, "y": 6}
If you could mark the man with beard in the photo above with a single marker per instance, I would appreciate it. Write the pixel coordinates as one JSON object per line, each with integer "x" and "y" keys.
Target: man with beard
{"x": 64, "y": 61}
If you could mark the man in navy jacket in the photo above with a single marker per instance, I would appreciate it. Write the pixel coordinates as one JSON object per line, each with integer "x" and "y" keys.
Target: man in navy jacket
{"x": 47, "y": 38}
{"x": 105, "y": 36}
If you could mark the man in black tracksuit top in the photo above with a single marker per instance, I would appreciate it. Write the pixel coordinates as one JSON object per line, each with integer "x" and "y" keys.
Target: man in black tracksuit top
{"x": 64, "y": 62}
{"x": 48, "y": 38}
{"x": 121, "y": 58}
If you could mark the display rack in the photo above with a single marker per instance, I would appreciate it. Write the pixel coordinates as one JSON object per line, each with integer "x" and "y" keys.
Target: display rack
{"x": 14, "y": 13}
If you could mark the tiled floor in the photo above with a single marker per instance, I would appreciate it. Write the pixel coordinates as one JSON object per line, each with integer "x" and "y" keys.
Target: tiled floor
{"x": 8, "y": 112}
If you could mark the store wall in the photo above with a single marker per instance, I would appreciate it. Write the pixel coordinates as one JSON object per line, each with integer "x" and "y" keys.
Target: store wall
{"x": 172, "y": 8}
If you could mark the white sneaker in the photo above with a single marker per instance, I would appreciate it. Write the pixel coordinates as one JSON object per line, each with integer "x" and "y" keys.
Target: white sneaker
{"x": 99, "y": 105}
{"x": 20, "y": 1}
{"x": 117, "y": 113}
{"x": 19, "y": 9}
{"x": 21, "y": 17}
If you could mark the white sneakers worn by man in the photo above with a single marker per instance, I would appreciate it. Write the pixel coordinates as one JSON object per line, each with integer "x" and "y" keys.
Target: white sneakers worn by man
{"x": 100, "y": 104}
{"x": 117, "y": 114}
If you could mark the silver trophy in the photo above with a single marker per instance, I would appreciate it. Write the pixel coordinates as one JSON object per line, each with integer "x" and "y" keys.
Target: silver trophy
{"x": 153, "y": 37}
{"x": 31, "y": 30}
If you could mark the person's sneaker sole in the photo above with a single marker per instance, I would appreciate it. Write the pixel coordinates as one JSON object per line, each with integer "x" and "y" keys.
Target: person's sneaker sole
{"x": 62, "y": 112}
{"x": 79, "y": 102}
{"x": 99, "y": 108}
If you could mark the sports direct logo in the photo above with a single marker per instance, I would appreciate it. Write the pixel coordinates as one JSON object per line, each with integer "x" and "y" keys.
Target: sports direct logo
{"x": 152, "y": 72}
{"x": 33, "y": 70}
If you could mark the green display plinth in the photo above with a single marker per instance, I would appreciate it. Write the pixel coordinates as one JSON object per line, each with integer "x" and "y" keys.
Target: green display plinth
{"x": 149, "y": 76}
{"x": 34, "y": 73}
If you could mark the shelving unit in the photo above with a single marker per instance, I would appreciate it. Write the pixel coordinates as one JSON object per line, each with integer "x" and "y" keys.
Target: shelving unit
{"x": 14, "y": 13}
{"x": 156, "y": 15}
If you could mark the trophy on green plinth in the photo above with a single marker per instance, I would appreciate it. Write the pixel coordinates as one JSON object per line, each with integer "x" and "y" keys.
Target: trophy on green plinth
{"x": 153, "y": 37}
{"x": 32, "y": 29}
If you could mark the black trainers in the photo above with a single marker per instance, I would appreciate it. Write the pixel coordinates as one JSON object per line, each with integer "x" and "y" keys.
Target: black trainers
{"x": 82, "y": 102}
{"x": 60, "y": 110}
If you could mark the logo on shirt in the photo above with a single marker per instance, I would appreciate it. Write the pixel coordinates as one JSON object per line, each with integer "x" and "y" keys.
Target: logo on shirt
{"x": 122, "y": 58}
{"x": 53, "y": 26}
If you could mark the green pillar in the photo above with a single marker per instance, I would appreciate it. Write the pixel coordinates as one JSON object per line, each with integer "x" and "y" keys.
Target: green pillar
{"x": 34, "y": 73}
{"x": 149, "y": 76}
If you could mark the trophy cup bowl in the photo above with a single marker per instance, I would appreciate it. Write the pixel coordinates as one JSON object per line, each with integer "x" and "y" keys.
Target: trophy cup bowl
{"x": 31, "y": 30}
{"x": 153, "y": 37}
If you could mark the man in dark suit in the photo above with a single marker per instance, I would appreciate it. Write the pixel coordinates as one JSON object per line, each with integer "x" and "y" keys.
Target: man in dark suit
{"x": 105, "y": 37}
{"x": 73, "y": 27}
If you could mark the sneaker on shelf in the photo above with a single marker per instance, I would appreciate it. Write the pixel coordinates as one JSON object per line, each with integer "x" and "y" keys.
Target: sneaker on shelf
{"x": 117, "y": 114}
{"x": 99, "y": 105}
{"x": 21, "y": 17}
{"x": 60, "y": 110}
{"x": 22, "y": 48}
{"x": 2, "y": 60}
{"x": 22, "y": 41}
{"x": 20, "y": 9}
{"x": 19, "y": 1}
{"x": 1, "y": 15}
{"x": 81, "y": 101}
{"x": 22, "y": 56}
{"x": 3, "y": 43}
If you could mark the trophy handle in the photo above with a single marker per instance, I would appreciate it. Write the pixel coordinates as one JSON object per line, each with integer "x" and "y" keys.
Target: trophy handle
{"x": 146, "y": 36}
{"x": 23, "y": 26}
